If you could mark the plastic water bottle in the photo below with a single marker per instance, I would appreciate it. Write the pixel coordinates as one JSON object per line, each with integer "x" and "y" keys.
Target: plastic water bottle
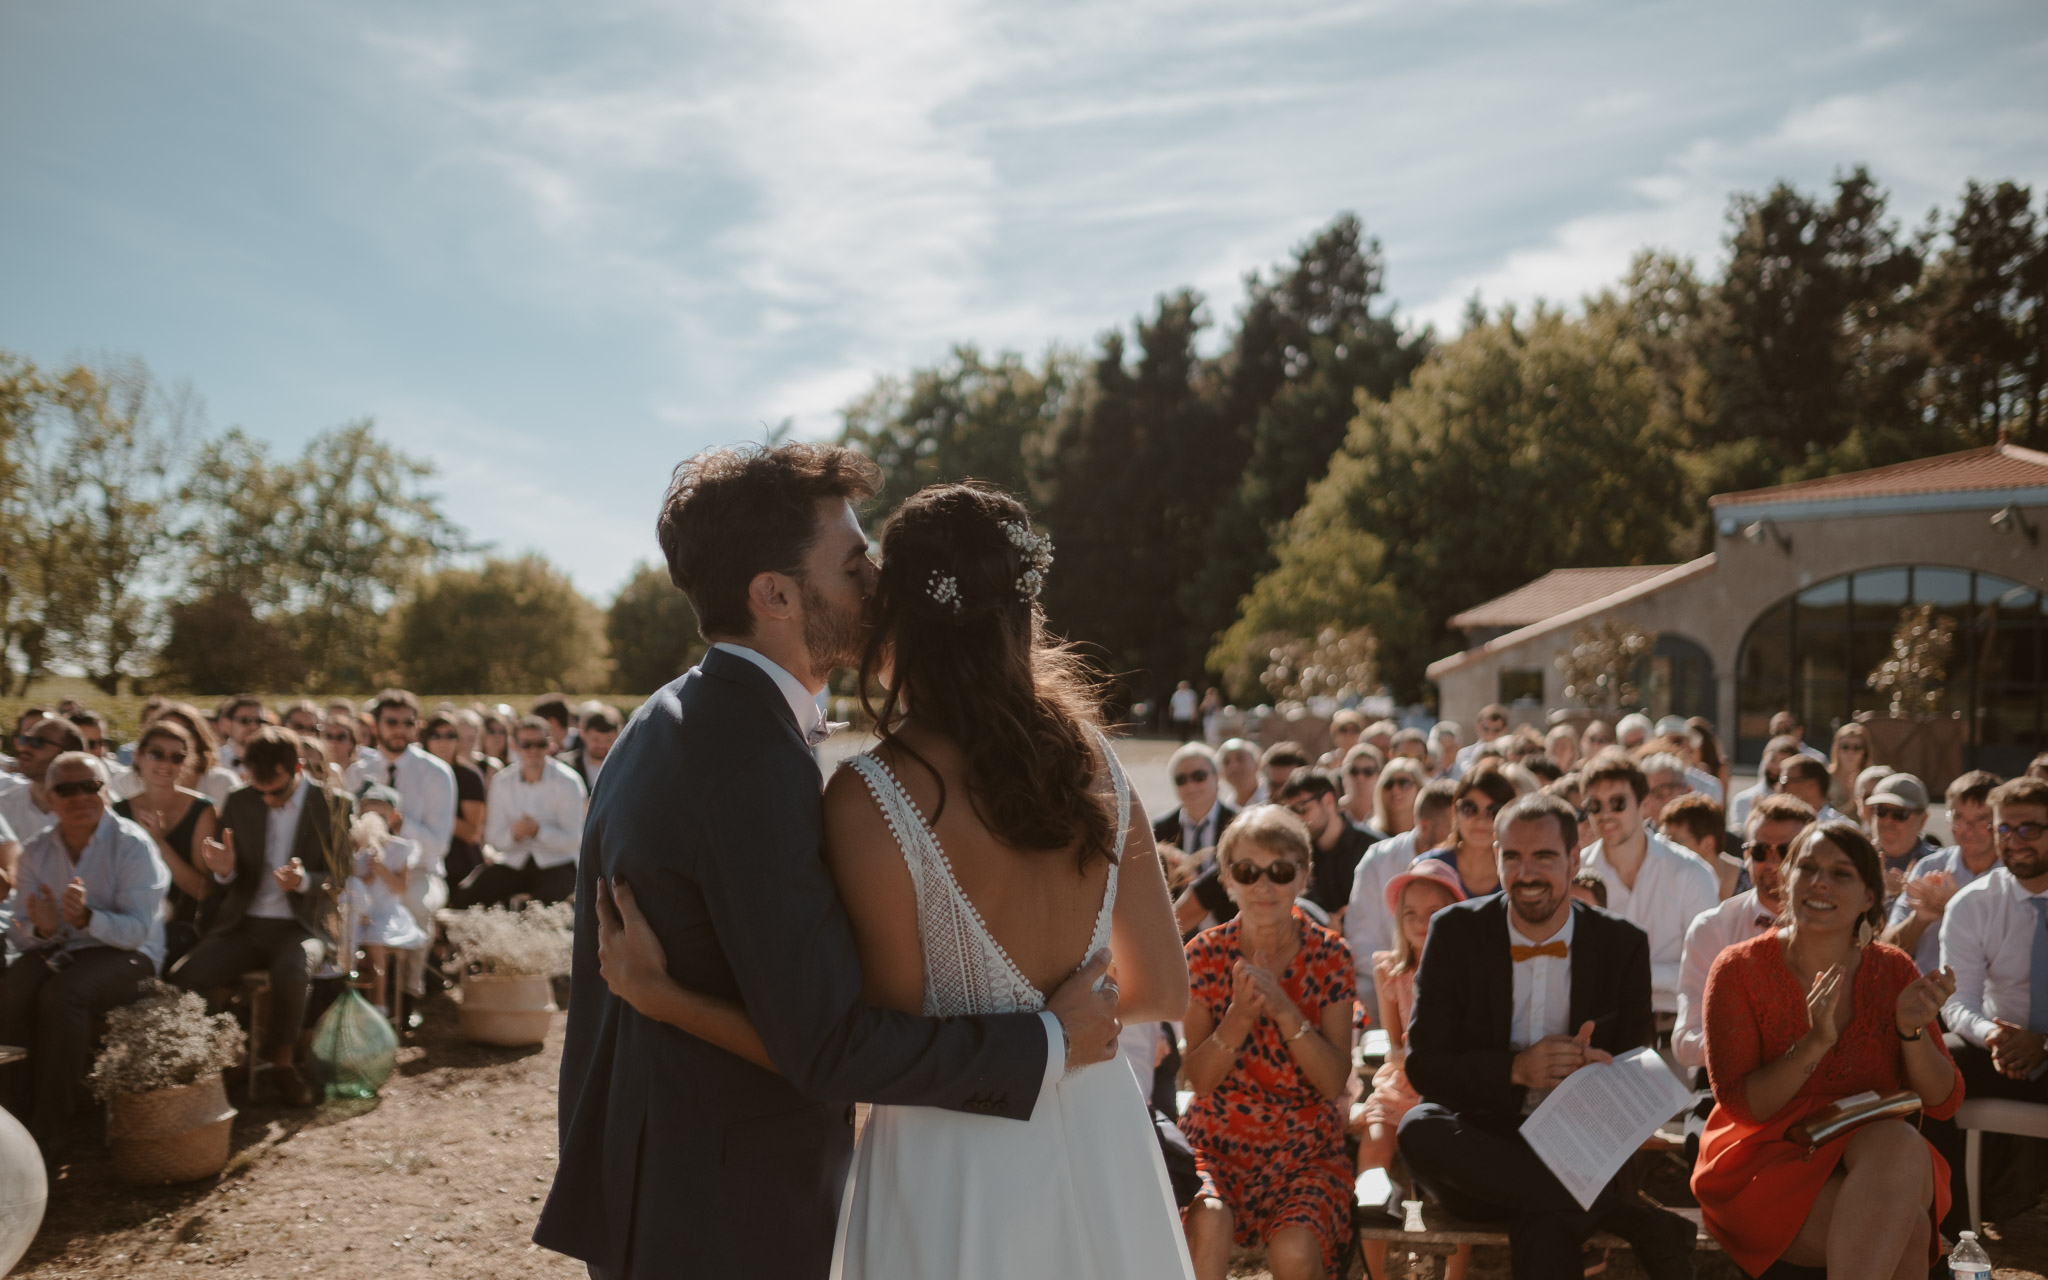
{"x": 1968, "y": 1261}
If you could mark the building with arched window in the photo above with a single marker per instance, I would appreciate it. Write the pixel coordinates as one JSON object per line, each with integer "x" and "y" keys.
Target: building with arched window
{"x": 1797, "y": 604}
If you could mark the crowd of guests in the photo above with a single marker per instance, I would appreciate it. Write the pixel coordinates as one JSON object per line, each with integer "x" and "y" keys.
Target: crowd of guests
{"x": 1514, "y": 908}
{"x": 308, "y": 842}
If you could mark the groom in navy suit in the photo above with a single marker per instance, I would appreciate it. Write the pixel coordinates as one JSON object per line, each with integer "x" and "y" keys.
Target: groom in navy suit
{"x": 678, "y": 1158}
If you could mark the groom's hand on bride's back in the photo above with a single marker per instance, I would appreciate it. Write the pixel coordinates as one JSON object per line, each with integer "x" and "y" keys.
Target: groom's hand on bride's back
{"x": 1085, "y": 1004}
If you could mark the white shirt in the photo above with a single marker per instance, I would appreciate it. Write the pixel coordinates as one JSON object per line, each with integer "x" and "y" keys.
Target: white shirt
{"x": 555, "y": 802}
{"x": 1184, "y": 703}
{"x": 809, "y": 715}
{"x": 1739, "y": 919}
{"x": 1672, "y": 887}
{"x": 1987, "y": 937}
{"x": 591, "y": 768}
{"x": 1368, "y": 927}
{"x": 125, "y": 883}
{"x": 279, "y": 835}
{"x": 1703, "y": 782}
{"x": 801, "y": 704}
{"x": 1199, "y": 835}
{"x": 1927, "y": 952}
{"x": 19, "y": 808}
{"x": 426, "y": 791}
{"x": 1543, "y": 988}
{"x": 1745, "y": 800}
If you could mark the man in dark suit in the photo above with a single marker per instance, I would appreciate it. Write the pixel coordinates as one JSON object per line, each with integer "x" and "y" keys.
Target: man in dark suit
{"x": 676, "y": 1154}
{"x": 1193, "y": 827}
{"x": 1505, "y": 979}
{"x": 272, "y": 867}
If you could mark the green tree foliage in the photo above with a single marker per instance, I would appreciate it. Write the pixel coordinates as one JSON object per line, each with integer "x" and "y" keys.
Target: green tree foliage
{"x": 507, "y": 624}
{"x": 652, "y": 630}
{"x": 1985, "y": 318}
{"x": 217, "y": 645}
{"x": 1519, "y": 447}
{"x": 320, "y": 545}
{"x": 966, "y": 417}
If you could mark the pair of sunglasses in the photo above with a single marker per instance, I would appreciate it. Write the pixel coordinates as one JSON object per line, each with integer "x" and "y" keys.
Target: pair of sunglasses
{"x": 1192, "y": 775}
{"x": 1760, "y": 849}
{"x": 1890, "y": 813}
{"x": 1615, "y": 804}
{"x": 1248, "y": 872}
{"x": 1470, "y": 809}
{"x": 73, "y": 790}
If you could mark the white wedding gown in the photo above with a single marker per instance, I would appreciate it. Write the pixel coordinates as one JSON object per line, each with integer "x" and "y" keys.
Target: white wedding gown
{"x": 1078, "y": 1192}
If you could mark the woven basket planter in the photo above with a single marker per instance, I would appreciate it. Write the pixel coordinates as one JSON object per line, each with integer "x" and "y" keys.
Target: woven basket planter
{"x": 512, "y": 1009}
{"x": 171, "y": 1135}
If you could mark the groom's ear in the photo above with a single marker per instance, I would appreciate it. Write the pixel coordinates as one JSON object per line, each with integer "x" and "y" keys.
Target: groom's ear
{"x": 771, "y": 597}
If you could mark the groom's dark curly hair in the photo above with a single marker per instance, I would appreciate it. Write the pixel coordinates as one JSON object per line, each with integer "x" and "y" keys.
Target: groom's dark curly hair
{"x": 733, "y": 513}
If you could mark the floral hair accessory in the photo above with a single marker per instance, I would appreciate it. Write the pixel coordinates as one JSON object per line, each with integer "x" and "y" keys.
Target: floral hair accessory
{"x": 945, "y": 589}
{"x": 1036, "y": 549}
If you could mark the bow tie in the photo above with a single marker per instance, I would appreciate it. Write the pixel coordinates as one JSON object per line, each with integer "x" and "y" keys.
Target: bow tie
{"x": 823, "y": 730}
{"x": 1556, "y": 948}
{"x": 1765, "y": 922}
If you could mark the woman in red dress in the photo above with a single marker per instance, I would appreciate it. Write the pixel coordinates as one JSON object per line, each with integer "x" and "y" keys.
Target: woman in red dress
{"x": 1269, "y": 1039}
{"x": 1799, "y": 1018}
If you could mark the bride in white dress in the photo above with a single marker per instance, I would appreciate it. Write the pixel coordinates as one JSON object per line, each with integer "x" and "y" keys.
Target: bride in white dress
{"x": 980, "y": 850}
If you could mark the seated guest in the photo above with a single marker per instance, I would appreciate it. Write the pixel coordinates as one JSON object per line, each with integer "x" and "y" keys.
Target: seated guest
{"x": 1368, "y": 926}
{"x": 385, "y": 862}
{"x": 1806, "y": 780}
{"x": 25, "y": 800}
{"x": 1787, "y": 724}
{"x": 1694, "y": 823}
{"x": 1312, "y": 796}
{"x": 1278, "y": 764}
{"x": 1360, "y": 768}
{"x": 203, "y": 772}
{"x": 595, "y": 734}
{"x": 1239, "y": 761}
{"x": 1897, "y": 824}
{"x": 179, "y": 820}
{"x": 1797, "y": 1019}
{"x": 1268, "y": 1056}
{"x": 1443, "y": 748}
{"x": 1347, "y": 729}
{"x": 1193, "y": 828}
{"x": 1773, "y": 824}
{"x": 1562, "y": 743}
{"x": 1596, "y": 737}
{"x": 1915, "y": 925}
{"x": 1491, "y": 723}
{"x": 1412, "y": 898}
{"x": 282, "y": 839}
{"x": 1393, "y": 797}
{"x": 88, "y": 927}
{"x": 1651, "y": 883}
{"x": 1480, "y": 796}
{"x": 1776, "y": 752}
{"x": 534, "y": 825}
{"x": 442, "y": 736}
{"x": 1993, "y": 938}
{"x": 1414, "y": 745}
{"x": 1849, "y": 756}
{"x": 1518, "y": 990}
{"x": 1665, "y": 773}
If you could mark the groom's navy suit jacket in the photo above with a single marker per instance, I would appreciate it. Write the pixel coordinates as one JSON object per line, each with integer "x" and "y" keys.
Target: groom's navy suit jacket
{"x": 678, "y": 1158}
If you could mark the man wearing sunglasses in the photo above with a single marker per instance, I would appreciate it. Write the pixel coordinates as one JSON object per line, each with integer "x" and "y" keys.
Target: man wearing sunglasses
{"x": 1915, "y": 923}
{"x": 277, "y": 849}
{"x": 1193, "y": 828}
{"x": 427, "y": 785}
{"x": 1651, "y": 882}
{"x": 1313, "y": 795}
{"x": 1491, "y": 723}
{"x": 1898, "y": 827}
{"x": 24, "y": 802}
{"x": 88, "y": 924}
{"x": 1994, "y": 936}
{"x": 1518, "y": 990}
{"x": 239, "y": 717}
{"x": 1773, "y": 824}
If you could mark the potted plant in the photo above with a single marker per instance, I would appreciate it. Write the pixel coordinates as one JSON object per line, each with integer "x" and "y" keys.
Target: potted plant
{"x": 159, "y": 1071}
{"x": 509, "y": 958}
{"x": 1913, "y": 736}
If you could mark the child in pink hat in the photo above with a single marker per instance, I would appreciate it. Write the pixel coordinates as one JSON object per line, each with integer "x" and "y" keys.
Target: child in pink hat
{"x": 1413, "y": 897}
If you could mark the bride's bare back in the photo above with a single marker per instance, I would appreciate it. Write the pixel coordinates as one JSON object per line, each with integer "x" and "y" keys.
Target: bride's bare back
{"x": 1037, "y": 905}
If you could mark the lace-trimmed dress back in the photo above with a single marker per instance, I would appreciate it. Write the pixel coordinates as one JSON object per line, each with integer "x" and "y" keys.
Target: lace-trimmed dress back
{"x": 1079, "y": 1190}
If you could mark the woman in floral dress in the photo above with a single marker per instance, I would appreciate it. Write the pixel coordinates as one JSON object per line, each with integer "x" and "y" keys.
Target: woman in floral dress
{"x": 1269, "y": 1037}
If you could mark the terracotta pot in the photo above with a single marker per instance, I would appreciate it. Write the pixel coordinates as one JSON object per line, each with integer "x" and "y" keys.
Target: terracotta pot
{"x": 1929, "y": 747}
{"x": 510, "y": 1009}
{"x": 171, "y": 1135}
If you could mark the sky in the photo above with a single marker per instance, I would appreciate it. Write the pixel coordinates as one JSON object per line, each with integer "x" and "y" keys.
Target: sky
{"x": 557, "y": 248}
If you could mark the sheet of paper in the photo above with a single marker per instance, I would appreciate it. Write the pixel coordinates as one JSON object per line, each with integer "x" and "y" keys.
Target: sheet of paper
{"x": 1589, "y": 1125}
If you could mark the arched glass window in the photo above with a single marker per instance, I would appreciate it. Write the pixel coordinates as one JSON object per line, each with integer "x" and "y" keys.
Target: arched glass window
{"x": 1813, "y": 653}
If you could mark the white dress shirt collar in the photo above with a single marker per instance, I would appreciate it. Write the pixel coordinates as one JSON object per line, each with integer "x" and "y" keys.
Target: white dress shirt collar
{"x": 1542, "y": 991}
{"x": 802, "y": 704}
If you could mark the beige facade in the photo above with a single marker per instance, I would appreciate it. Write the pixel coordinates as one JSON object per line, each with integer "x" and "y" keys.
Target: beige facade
{"x": 1773, "y": 544}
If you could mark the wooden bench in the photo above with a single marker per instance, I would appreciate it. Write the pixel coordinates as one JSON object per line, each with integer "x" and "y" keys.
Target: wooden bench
{"x": 1432, "y": 1233}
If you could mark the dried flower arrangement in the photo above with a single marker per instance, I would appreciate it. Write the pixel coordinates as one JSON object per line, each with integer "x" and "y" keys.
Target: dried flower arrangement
{"x": 537, "y": 940}
{"x": 163, "y": 1041}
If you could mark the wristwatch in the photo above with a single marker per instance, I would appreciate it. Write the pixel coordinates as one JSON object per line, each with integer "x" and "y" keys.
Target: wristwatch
{"x": 1918, "y": 1032}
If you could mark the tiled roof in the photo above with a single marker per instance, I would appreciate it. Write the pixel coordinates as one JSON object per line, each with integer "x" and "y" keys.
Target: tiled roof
{"x": 1660, "y": 578}
{"x": 1998, "y": 466}
{"x": 1554, "y": 593}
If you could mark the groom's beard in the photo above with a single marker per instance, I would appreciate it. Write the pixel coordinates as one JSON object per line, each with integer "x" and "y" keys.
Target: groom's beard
{"x": 832, "y": 640}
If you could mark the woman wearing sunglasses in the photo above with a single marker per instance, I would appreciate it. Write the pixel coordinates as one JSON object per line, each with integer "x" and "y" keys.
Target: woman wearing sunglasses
{"x": 1394, "y": 792}
{"x": 176, "y": 818}
{"x": 1482, "y": 794}
{"x": 1268, "y": 1035}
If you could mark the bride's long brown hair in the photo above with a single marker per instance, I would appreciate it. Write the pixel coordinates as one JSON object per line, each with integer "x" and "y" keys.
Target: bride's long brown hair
{"x": 965, "y": 643}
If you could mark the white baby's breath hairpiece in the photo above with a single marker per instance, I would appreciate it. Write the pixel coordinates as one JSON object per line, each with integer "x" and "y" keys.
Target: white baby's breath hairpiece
{"x": 944, "y": 589}
{"x": 1036, "y": 549}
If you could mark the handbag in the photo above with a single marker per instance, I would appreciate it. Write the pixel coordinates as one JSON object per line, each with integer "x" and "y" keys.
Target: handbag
{"x": 1844, "y": 1114}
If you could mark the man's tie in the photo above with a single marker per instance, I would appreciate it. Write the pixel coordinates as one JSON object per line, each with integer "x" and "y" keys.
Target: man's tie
{"x": 1554, "y": 948}
{"x": 823, "y": 730}
{"x": 393, "y": 768}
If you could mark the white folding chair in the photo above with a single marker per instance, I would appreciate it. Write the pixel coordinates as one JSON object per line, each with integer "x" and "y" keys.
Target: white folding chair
{"x": 1993, "y": 1115}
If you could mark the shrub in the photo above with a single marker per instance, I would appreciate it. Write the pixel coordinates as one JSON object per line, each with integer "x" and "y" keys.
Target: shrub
{"x": 537, "y": 940}
{"x": 163, "y": 1041}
